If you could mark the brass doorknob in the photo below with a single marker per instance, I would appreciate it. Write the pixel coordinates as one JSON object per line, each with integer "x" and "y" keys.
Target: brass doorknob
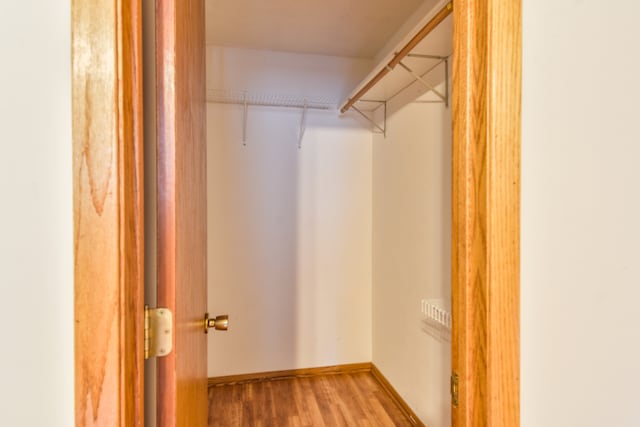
{"x": 219, "y": 323}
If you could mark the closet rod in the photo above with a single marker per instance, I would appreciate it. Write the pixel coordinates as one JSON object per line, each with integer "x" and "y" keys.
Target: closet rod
{"x": 399, "y": 56}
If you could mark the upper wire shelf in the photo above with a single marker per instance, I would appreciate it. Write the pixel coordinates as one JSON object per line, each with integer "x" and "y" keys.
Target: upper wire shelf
{"x": 243, "y": 97}
{"x": 246, "y": 99}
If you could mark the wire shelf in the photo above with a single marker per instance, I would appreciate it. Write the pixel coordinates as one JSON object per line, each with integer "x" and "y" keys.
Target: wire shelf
{"x": 242, "y": 97}
{"x": 432, "y": 311}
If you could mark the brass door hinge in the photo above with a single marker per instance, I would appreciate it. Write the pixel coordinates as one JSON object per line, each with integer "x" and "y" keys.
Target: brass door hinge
{"x": 158, "y": 332}
{"x": 454, "y": 389}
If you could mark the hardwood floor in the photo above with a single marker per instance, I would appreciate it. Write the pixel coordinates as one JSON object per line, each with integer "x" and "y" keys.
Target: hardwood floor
{"x": 354, "y": 399}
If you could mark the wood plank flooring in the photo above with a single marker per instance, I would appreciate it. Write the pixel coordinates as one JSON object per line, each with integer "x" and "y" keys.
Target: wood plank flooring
{"x": 353, "y": 399}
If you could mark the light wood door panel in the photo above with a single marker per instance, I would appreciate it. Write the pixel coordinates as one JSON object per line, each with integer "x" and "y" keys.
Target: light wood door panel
{"x": 182, "y": 207}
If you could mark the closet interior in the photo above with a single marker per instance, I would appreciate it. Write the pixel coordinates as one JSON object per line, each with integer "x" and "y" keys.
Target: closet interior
{"x": 329, "y": 203}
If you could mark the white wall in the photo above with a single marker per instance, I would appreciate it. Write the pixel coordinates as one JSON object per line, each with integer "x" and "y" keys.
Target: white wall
{"x": 263, "y": 71}
{"x": 580, "y": 213}
{"x": 289, "y": 229}
{"x": 411, "y": 253}
{"x": 36, "y": 247}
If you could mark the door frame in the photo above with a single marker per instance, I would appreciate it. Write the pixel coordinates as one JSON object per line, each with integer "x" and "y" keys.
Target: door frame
{"x": 108, "y": 200}
{"x": 486, "y": 211}
{"x": 108, "y": 193}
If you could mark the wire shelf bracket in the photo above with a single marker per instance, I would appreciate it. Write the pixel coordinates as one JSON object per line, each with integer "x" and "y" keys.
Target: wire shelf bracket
{"x": 303, "y": 125}
{"x": 245, "y": 111}
{"x": 420, "y": 78}
{"x": 442, "y": 98}
{"x": 385, "y": 67}
{"x": 381, "y": 129}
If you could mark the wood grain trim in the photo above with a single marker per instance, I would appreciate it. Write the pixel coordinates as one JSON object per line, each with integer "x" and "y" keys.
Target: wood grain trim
{"x": 486, "y": 212}
{"x": 108, "y": 212}
{"x": 182, "y": 209}
{"x": 386, "y": 385}
{"x": 130, "y": 111}
{"x": 166, "y": 195}
{"x": 290, "y": 373}
{"x": 503, "y": 143}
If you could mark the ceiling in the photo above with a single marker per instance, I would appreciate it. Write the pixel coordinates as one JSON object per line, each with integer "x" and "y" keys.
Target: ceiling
{"x": 352, "y": 28}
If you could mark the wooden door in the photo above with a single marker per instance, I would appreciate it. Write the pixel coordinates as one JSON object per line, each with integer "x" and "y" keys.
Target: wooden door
{"x": 182, "y": 209}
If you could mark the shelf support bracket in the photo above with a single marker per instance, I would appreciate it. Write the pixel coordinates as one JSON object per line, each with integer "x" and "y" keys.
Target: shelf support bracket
{"x": 446, "y": 82}
{"x": 420, "y": 55}
{"x": 383, "y": 129}
{"x": 303, "y": 124}
{"x": 244, "y": 119}
{"x": 423, "y": 81}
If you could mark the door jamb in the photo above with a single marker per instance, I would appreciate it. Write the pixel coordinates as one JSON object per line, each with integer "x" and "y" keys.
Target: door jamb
{"x": 486, "y": 212}
{"x": 108, "y": 199}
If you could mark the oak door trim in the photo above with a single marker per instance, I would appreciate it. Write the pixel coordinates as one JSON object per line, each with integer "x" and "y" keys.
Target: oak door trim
{"x": 486, "y": 212}
{"x": 108, "y": 194}
{"x": 182, "y": 208}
